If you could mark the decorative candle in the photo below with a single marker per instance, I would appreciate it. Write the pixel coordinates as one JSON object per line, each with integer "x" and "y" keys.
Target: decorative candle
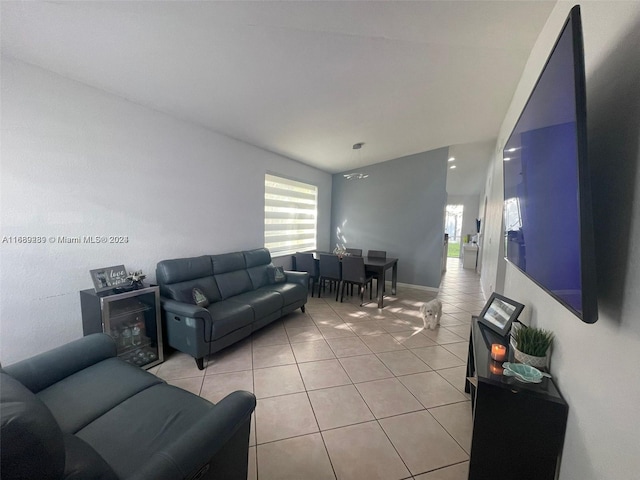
{"x": 498, "y": 352}
{"x": 496, "y": 368}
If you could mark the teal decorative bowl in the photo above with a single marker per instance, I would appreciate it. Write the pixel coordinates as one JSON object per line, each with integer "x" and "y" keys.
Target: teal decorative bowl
{"x": 524, "y": 373}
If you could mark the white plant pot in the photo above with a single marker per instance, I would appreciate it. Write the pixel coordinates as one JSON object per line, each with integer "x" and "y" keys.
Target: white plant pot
{"x": 538, "y": 362}
{"x": 541, "y": 363}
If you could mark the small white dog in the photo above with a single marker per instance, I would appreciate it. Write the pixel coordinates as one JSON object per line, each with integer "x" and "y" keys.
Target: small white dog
{"x": 431, "y": 313}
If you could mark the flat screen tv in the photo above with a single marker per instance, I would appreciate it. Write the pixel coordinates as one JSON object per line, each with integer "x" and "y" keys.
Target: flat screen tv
{"x": 547, "y": 211}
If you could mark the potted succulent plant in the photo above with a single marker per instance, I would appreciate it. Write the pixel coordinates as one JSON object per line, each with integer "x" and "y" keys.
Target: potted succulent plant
{"x": 532, "y": 346}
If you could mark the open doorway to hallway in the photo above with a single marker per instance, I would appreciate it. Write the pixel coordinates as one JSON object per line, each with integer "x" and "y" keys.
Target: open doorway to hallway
{"x": 453, "y": 227}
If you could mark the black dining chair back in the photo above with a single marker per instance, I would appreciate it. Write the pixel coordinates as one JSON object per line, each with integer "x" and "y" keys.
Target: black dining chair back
{"x": 354, "y": 251}
{"x": 329, "y": 271}
{"x": 306, "y": 263}
{"x": 353, "y": 272}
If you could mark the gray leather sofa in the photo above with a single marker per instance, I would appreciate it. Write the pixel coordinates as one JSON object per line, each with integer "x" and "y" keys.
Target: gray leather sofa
{"x": 243, "y": 295}
{"x": 79, "y": 412}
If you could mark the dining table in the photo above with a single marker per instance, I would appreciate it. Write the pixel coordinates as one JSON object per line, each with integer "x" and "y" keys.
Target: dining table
{"x": 377, "y": 265}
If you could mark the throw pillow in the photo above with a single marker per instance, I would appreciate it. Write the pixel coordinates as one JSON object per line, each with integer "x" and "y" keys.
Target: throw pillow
{"x": 279, "y": 275}
{"x": 199, "y": 298}
{"x": 276, "y": 274}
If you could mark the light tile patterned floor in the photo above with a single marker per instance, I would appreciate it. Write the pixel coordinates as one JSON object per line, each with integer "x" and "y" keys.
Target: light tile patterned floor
{"x": 353, "y": 393}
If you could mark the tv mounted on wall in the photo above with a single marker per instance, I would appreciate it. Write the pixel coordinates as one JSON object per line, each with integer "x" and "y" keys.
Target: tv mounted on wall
{"x": 547, "y": 211}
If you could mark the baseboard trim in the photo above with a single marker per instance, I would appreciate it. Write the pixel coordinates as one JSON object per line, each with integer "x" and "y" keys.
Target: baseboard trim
{"x": 417, "y": 287}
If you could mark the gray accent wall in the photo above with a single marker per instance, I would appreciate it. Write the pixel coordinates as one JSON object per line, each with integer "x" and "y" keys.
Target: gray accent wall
{"x": 398, "y": 208}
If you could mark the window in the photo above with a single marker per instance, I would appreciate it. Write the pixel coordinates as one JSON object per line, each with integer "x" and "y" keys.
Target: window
{"x": 290, "y": 215}
{"x": 453, "y": 226}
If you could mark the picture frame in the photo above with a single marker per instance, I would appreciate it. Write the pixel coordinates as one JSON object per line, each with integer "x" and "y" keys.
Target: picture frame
{"x": 108, "y": 278}
{"x": 499, "y": 312}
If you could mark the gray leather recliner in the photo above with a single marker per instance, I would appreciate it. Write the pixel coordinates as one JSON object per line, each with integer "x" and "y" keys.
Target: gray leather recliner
{"x": 79, "y": 412}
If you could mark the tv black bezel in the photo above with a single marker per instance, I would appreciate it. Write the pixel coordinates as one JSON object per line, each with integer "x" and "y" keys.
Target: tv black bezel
{"x": 589, "y": 312}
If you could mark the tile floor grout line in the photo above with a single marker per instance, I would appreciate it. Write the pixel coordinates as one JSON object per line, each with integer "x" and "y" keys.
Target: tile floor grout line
{"x": 315, "y": 416}
{"x": 454, "y": 438}
{"x": 350, "y": 315}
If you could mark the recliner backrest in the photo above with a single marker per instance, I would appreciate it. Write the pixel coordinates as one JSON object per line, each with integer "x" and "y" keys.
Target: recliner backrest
{"x": 230, "y": 271}
{"x": 258, "y": 264}
{"x": 179, "y": 276}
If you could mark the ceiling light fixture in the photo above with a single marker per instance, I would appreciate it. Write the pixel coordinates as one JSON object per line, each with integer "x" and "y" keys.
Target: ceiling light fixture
{"x": 452, "y": 167}
{"x": 512, "y": 150}
{"x": 506, "y": 159}
{"x": 451, "y": 159}
{"x": 355, "y": 176}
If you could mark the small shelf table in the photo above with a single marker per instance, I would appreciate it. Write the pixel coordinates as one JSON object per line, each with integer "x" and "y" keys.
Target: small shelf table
{"x": 518, "y": 428}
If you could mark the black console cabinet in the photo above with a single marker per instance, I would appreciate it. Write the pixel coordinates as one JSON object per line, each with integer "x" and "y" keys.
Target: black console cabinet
{"x": 518, "y": 428}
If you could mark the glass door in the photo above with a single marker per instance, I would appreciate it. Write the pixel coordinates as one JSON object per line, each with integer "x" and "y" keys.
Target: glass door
{"x": 453, "y": 227}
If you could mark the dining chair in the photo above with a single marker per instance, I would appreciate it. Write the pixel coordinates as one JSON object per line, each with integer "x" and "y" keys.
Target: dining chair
{"x": 353, "y": 251}
{"x": 353, "y": 273}
{"x": 376, "y": 254}
{"x": 306, "y": 263}
{"x": 329, "y": 271}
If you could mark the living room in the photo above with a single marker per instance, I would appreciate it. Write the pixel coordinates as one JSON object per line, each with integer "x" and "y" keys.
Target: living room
{"x": 78, "y": 159}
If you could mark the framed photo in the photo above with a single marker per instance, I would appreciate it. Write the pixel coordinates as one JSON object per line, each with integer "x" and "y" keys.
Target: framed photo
{"x": 499, "y": 312}
{"x": 108, "y": 278}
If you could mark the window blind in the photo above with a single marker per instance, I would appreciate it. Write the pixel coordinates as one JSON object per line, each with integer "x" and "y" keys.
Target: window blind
{"x": 290, "y": 215}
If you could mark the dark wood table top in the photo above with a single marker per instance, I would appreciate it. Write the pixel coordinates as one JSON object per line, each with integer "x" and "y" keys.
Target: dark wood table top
{"x": 368, "y": 261}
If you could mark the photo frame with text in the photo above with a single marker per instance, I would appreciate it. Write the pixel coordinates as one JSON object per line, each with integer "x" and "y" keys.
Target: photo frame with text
{"x": 499, "y": 312}
{"x": 108, "y": 278}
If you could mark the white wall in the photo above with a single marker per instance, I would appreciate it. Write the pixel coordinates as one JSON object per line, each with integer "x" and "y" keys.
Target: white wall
{"x": 596, "y": 366}
{"x": 78, "y": 161}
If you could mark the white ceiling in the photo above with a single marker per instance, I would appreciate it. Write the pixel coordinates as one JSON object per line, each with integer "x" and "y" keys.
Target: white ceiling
{"x": 303, "y": 79}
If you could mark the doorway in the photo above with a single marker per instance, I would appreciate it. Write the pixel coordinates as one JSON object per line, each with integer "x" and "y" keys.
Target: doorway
{"x": 453, "y": 227}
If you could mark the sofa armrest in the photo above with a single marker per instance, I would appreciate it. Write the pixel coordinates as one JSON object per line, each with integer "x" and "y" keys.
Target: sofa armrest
{"x": 184, "y": 309}
{"x": 298, "y": 277}
{"x": 183, "y": 458}
{"x": 43, "y": 370}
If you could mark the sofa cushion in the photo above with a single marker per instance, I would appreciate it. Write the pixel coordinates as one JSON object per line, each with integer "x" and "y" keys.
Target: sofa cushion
{"x": 82, "y": 462}
{"x": 263, "y": 302}
{"x": 147, "y": 429}
{"x": 75, "y": 401}
{"x": 181, "y": 269}
{"x": 32, "y": 445}
{"x": 233, "y": 283}
{"x": 258, "y": 256}
{"x": 228, "y": 262}
{"x": 183, "y": 291}
{"x": 229, "y": 316}
{"x": 291, "y": 292}
{"x": 260, "y": 275}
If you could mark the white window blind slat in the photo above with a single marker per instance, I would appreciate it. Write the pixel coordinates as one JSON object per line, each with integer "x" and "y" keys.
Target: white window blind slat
{"x": 290, "y": 216}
